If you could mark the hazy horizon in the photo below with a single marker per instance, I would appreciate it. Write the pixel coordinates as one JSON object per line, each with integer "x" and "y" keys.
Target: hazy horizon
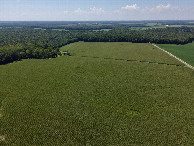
{"x": 92, "y": 20}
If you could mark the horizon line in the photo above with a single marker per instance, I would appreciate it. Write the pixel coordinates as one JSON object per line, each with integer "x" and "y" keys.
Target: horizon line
{"x": 87, "y": 20}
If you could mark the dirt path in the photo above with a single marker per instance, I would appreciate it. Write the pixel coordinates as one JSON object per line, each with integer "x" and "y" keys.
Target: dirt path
{"x": 188, "y": 65}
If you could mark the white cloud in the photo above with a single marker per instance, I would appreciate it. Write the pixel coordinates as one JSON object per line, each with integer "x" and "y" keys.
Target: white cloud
{"x": 78, "y": 10}
{"x": 161, "y": 7}
{"x": 159, "y": 12}
{"x": 93, "y": 10}
{"x": 65, "y": 12}
{"x": 131, "y": 12}
{"x": 127, "y": 12}
{"x": 131, "y": 7}
{"x": 96, "y": 10}
{"x": 163, "y": 12}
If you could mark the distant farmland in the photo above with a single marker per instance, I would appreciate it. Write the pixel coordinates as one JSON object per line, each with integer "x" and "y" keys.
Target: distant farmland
{"x": 103, "y": 94}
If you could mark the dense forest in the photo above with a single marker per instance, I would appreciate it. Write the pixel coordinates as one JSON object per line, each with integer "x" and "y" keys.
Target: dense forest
{"x": 16, "y": 44}
{"x": 42, "y": 40}
{"x": 182, "y": 35}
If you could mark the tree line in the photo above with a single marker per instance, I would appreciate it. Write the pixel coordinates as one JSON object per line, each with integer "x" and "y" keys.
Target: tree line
{"x": 160, "y": 36}
{"x": 23, "y": 43}
{"x": 17, "y": 44}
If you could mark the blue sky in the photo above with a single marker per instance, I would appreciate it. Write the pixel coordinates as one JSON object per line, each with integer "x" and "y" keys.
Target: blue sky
{"x": 82, "y": 10}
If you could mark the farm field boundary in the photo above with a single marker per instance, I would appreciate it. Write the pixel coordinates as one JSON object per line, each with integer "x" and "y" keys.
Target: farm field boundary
{"x": 188, "y": 65}
{"x": 142, "y": 61}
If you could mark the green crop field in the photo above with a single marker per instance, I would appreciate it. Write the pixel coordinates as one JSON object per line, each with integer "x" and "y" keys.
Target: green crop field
{"x": 102, "y": 30}
{"x": 39, "y": 29}
{"x": 104, "y": 94}
{"x": 184, "y": 52}
{"x": 60, "y": 29}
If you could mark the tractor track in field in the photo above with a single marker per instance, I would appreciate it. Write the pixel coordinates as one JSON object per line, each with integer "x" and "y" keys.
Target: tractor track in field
{"x": 170, "y": 54}
{"x": 130, "y": 60}
{"x": 2, "y": 137}
{"x": 1, "y": 112}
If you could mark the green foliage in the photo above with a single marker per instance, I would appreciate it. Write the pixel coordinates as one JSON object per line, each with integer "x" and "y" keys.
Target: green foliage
{"x": 17, "y": 43}
{"x": 184, "y": 52}
{"x": 41, "y": 40}
{"x": 160, "y": 35}
{"x": 93, "y": 101}
{"x": 9, "y": 55}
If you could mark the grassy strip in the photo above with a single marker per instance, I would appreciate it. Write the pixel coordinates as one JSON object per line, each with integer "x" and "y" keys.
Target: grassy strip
{"x": 184, "y": 52}
{"x": 186, "y": 64}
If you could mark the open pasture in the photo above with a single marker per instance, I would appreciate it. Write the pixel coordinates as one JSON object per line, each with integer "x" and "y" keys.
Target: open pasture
{"x": 85, "y": 99}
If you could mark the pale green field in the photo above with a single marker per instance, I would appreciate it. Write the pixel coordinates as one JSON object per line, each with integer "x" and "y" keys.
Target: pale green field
{"x": 184, "y": 52}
